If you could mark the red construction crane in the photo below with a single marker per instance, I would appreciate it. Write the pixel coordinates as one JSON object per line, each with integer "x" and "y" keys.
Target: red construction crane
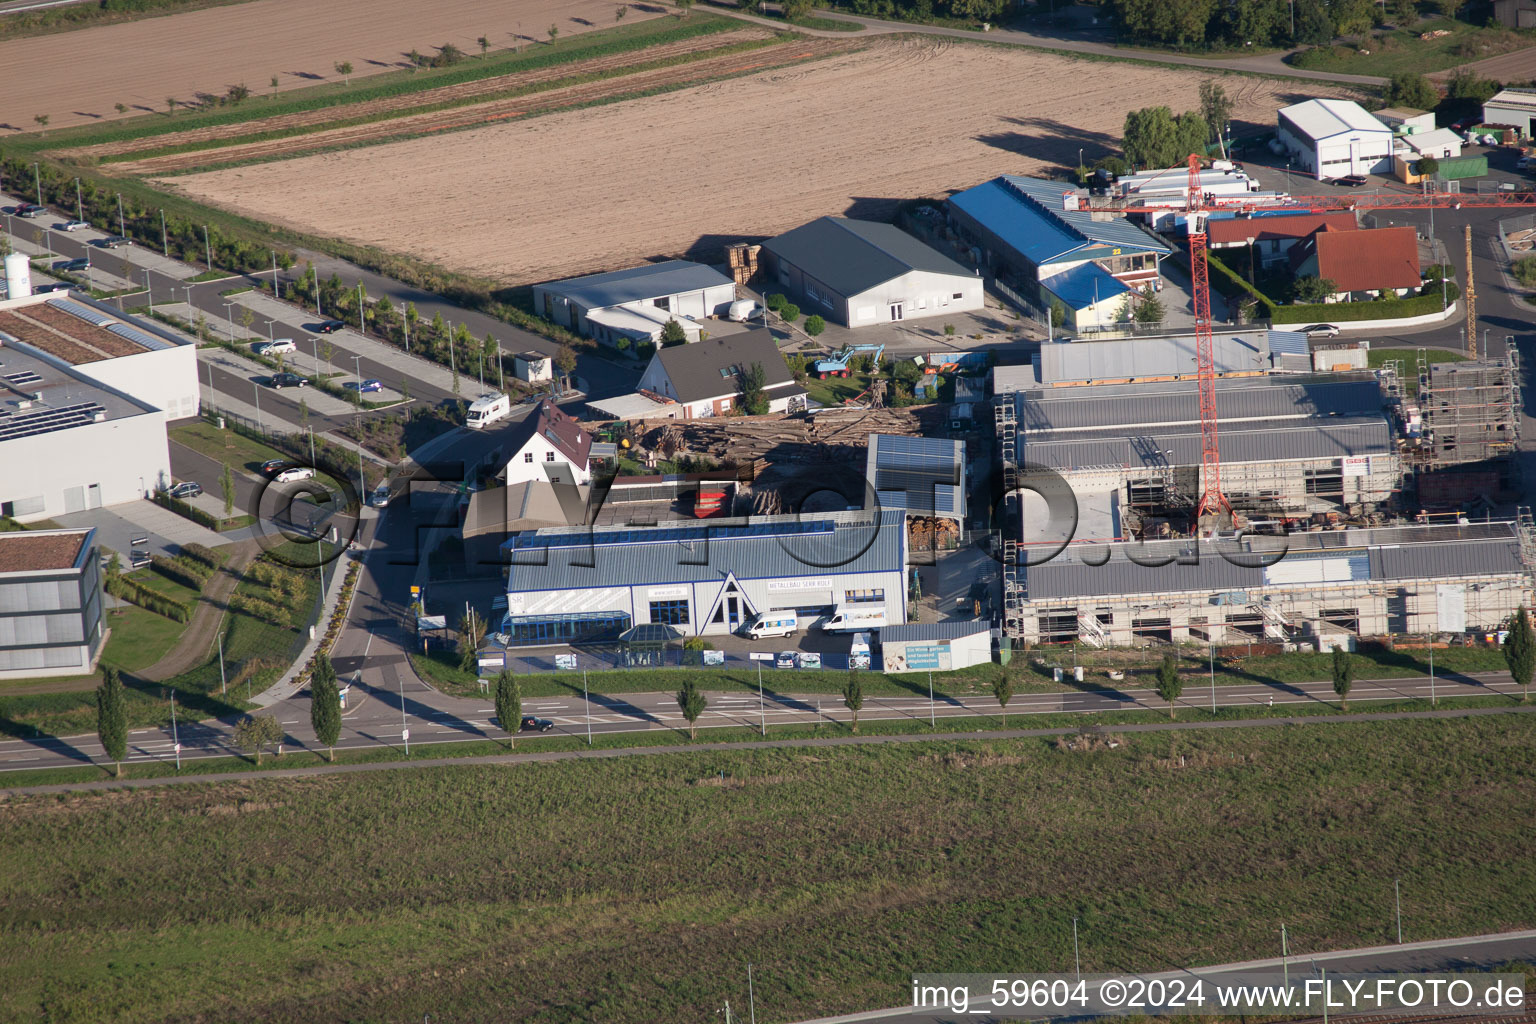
{"x": 1198, "y": 206}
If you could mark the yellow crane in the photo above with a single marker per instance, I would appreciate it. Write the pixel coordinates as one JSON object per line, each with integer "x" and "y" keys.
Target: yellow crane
{"x": 1471, "y": 301}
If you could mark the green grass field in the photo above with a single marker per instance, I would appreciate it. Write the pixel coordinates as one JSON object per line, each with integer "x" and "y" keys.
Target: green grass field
{"x": 639, "y": 889}
{"x": 1401, "y": 50}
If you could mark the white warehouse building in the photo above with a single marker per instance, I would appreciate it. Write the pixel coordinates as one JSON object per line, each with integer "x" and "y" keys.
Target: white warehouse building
{"x": 636, "y": 303}
{"x": 569, "y": 584}
{"x": 1334, "y": 139}
{"x": 858, "y": 273}
{"x": 85, "y": 395}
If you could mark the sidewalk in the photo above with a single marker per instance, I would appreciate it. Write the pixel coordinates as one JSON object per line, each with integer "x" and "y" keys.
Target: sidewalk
{"x": 288, "y": 684}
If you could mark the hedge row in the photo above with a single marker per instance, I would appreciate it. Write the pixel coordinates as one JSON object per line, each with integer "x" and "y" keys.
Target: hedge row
{"x": 259, "y": 609}
{"x": 1379, "y": 309}
{"x": 201, "y": 554}
{"x": 191, "y": 512}
{"x": 136, "y": 592}
{"x": 190, "y": 574}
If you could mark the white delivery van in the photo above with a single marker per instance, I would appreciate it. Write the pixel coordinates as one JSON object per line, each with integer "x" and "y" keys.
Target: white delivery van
{"x": 742, "y": 310}
{"x": 858, "y": 652}
{"x": 773, "y": 624}
{"x": 487, "y": 409}
{"x": 853, "y": 620}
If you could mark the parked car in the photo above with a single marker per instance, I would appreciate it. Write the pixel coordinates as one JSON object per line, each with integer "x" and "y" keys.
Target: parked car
{"x": 1321, "y": 331}
{"x": 186, "y": 489}
{"x": 293, "y": 473}
{"x": 363, "y": 386}
{"x": 330, "y": 326}
{"x": 380, "y": 499}
{"x": 532, "y": 724}
{"x": 78, "y": 263}
{"x": 29, "y": 209}
{"x": 278, "y": 381}
{"x": 786, "y": 659}
{"x": 281, "y": 346}
{"x": 273, "y": 466}
{"x": 1352, "y": 180}
{"x": 809, "y": 659}
{"x": 114, "y": 241}
{"x": 72, "y": 225}
{"x": 43, "y": 289}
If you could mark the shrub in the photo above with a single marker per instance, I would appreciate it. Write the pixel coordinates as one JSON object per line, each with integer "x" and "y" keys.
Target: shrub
{"x": 776, "y": 301}
{"x": 790, "y": 312}
{"x": 137, "y": 593}
{"x": 1524, "y": 270}
{"x": 814, "y": 325}
{"x": 184, "y": 571}
{"x": 198, "y": 553}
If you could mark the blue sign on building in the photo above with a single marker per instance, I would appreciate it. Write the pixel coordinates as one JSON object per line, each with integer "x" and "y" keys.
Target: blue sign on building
{"x": 924, "y": 657}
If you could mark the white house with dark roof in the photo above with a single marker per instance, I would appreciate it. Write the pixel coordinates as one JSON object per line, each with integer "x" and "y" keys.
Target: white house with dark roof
{"x": 549, "y": 446}
{"x": 859, "y": 272}
{"x": 636, "y": 303}
{"x": 705, "y": 379}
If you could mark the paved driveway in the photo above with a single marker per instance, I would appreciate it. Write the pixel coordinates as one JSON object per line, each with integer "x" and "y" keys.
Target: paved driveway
{"x": 118, "y": 525}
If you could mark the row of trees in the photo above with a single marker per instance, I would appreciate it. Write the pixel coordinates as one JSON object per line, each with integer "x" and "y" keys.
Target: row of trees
{"x": 1202, "y": 24}
{"x": 913, "y": 10}
{"x": 1157, "y": 137}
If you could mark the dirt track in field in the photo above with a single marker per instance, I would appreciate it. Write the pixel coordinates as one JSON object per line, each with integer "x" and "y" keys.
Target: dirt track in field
{"x": 592, "y": 189}
{"x": 77, "y": 77}
{"x": 429, "y": 97}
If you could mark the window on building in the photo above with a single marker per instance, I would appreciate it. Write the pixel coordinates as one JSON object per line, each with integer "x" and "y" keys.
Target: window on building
{"x": 549, "y": 456}
{"x": 957, "y": 295}
{"x": 527, "y": 456}
{"x": 671, "y": 613}
{"x": 876, "y": 596}
{"x": 665, "y": 302}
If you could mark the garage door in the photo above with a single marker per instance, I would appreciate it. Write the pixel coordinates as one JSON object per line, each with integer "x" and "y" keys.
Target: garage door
{"x": 74, "y": 499}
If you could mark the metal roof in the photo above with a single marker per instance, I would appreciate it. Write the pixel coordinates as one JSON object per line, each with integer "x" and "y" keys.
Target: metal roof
{"x": 1126, "y": 358}
{"x": 916, "y": 632}
{"x": 1084, "y": 285}
{"x": 1394, "y": 553}
{"x": 764, "y": 547}
{"x": 853, "y": 256}
{"x": 1322, "y": 119}
{"x": 1182, "y": 446}
{"x": 1293, "y": 402}
{"x": 1026, "y": 215}
{"x": 1513, "y": 99}
{"x": 1289, "y": 343}
{"x": 654, "y": 280}
{"x": 917, "y": 474}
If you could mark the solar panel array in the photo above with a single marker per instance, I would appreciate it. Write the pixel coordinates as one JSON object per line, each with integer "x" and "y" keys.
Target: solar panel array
{"x": 96, "y": 318}
{"x": 919, "y": 473}
{"x": 47, "y": 421}
{"x": 675, "y": 534}
{"x": 22, "y": 379}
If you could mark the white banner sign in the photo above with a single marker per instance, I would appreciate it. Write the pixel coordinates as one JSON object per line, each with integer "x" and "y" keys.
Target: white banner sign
{"x": 1356, "y": 465}
{"x": 823, "y": 584}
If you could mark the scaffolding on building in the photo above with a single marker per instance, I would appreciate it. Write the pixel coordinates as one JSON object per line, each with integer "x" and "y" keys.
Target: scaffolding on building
{"x": 1006, "y": 424}
{"x": 1471, "y": 409}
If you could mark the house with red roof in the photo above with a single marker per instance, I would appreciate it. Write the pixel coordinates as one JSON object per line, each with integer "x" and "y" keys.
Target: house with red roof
{"x": 1362, "y": 264}
{"x": 1273, "y": 237}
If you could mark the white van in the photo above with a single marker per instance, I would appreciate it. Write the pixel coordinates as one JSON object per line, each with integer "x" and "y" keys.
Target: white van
{"x": 488, "y": 408}
{"x": 858, "y": 651}
{"x": 773, "y": 624}
{"x": 853, "y": 620}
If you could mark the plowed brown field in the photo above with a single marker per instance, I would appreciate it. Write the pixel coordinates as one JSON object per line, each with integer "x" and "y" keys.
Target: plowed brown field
{"x": 77, "y": 77}
{"x": 597, "y": 188}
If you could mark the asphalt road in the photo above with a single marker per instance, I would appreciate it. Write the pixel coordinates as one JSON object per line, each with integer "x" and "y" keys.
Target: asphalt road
{"x": 1456, "y": 954}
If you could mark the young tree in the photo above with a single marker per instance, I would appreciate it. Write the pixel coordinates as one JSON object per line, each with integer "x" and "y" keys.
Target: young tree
{"x": 122, "y": 108}
{"x": 554, "y": 30}
{"x": 789, "y": 312}
{"x": 471, "y": 632}
{"x": 273, "y": 83}
{"x": 565, "y": 362}
{"x": 227, "y": 487}
{"x": 485, "y": 46}
{"x": 1314, "y": 26}
{"x": 344, "y": 69}
{"x": 1003, "y": 691}
{"x": 1216, "y": 109}
{"x": 237, "y": 94}
{"x": 754, "y": 399}
{"x": 42, "y": 120}
{"x": 1405, "y": 14}
{"x": 1058, "y": 313}
{"x": 815, "y": 324}
{"x": 1343, "y": 675}
{"x": 1428, "y": 165}
{"x": 325, "y": 704}
{"x": 1520, "y": 652}
{"x": 692, "y": 704}
{"x": 509, "y": 706}
{"x": 1411, "y": 89}
{"x": 247, "y": 317}
{"x": 256, "y": 731}
{"x": 1314, "y": 289}
{"x": 170, "y": 106}
{"x": 853, "y": 696}
{"x": 1448, "y": 8}
{"x": 1149, "y": 308}
{"x": 623, "y": 9}
{"x": 1169, "y": 683}
{"x": 1352, "y": 18}
{"x": 673, "y": 334}
{"x": 683, "y": 7}
{"x": 112, "y": 717}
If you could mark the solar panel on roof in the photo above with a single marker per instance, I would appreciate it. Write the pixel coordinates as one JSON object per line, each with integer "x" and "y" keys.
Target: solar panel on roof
{"x": 84, "y": 312}
{"x": 669, "y": 535}
{"x": 47, "y": 421}
{"x": 138, "y": 337}
{"x": 23, "y": 378}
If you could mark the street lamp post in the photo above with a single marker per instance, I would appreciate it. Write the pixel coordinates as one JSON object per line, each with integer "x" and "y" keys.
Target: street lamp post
{"x": 207, "y": 247}
{"x": 121, "y": 227}
{"x": 361, "y": 326}
{"x": 223, "y": 683}
{"x": 165, "y": 241}
{"x": 270, "y": 339}
{"x": 150, "y": 291}
{"x": 229, "y": 310}
{"x": 274, "y": 273}
{"x": 175, "y": 734}
{"x": 79, "y": 203}
{"x": 37, "y": 176}
{"x": 257, "y": 389}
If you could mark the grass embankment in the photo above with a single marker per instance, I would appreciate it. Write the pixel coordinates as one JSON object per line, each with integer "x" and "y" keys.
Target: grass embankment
{"x": 259, "y": 642}
{"x": 1030, "y": 671}
{"x": 638, "y": 890}
{"x": 1400, "y": 50}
